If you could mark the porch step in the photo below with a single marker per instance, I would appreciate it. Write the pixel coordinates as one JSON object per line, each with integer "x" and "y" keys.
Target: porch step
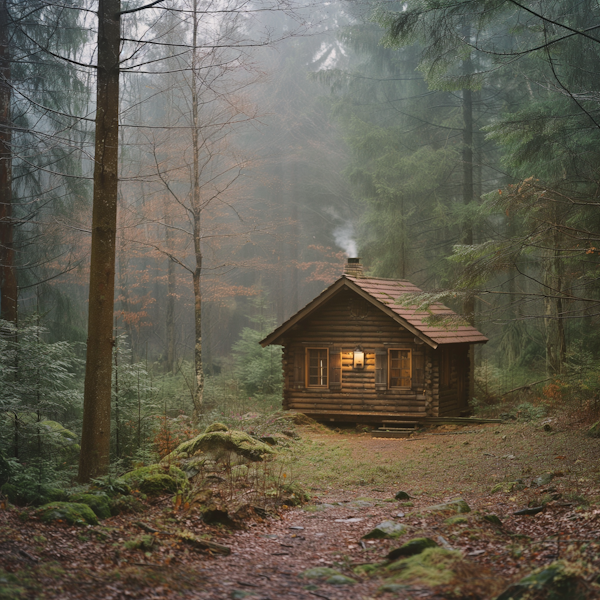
{"x": 395, "y": 429}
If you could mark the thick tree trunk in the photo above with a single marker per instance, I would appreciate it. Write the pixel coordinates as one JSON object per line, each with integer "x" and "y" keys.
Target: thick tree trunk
{"x": 8, "y": 277}
{"x": 95, "y": 438}
{"x": 197, "y": 231}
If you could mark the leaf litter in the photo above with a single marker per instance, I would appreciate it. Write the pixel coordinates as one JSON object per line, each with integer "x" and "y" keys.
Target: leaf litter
{"x": 354, "y": 480}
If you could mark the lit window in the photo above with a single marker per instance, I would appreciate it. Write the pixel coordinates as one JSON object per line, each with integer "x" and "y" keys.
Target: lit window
{"x": 400, "y": 368}
{"x": 317, "y": 369}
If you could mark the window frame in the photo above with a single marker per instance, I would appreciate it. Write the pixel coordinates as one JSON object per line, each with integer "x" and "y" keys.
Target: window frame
{"x": 307, "y": 368}
{"x": 410, "y": 368}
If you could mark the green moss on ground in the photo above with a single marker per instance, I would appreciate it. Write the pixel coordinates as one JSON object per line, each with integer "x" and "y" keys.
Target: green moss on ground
{"x": 221, "y": 445}
{"x": 99, "y": 503}
{"x": 433, "y": 566}
{"x": 154, "y": 480}
{"x": 72, "y": 513}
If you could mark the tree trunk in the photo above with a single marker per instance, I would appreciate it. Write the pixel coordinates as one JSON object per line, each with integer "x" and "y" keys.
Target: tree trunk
{"x": 197, "y": 231}
{"x": 95, "y": 438}
{"x": 468, "y": 187}
{"x": 171, "y": 284}
{"x": 556, "y": 346}
{"x": 8, "y": 277}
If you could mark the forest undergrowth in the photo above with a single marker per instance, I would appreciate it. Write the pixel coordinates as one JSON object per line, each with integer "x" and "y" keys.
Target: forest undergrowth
{"x": 294, "y": 525}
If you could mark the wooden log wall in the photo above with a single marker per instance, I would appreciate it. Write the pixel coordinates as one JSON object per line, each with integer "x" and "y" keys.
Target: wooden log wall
{"x": 454, "y": 385}
{"x": 346, "y": 321}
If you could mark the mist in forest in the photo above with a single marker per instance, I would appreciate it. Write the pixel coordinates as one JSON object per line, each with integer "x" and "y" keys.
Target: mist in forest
{"x": 262, "y": 143}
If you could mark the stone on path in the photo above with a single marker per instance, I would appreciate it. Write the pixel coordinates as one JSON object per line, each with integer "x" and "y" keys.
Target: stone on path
{"x": 385, "y": 530}
{"x": 453, "y": 506}
{"x": 412, "y": 547}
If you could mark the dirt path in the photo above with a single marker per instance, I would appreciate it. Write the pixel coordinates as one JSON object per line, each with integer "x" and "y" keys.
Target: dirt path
{"x": 268, "y": 559}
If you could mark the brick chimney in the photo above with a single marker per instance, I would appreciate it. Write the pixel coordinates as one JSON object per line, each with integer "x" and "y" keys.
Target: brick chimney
{"x": 353, "y": 268}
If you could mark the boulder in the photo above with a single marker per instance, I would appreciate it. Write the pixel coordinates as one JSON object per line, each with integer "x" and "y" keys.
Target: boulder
{"x": 542, "y": 480}
{"x": 412, "y": 547}
{"x": 457, "y": 506}
{"x": 385, "y": 530}
{"x": 72, "y": 513}
{"x": 154, "y": 480}
{"x": 99, "y": 503}
{"x": 493, "y": 519}
{"x": 555, "y": 581}
{"x": 402, "y": 496}
{"x": 220, "y": 445}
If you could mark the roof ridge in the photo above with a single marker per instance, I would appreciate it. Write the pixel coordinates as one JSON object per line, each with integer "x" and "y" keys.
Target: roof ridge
{"x": 381, "y": 279}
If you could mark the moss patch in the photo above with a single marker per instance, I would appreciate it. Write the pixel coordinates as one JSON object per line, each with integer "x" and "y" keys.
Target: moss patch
{"x": 70, "y": 512}
{"x": 154, "y": 480}
{"x": 433, "y": 566}
{"x": 99, "y": 503}
{"x": 221, "y": 445}
{"x": 412, "y": 547}
{"x": 454, "y": 506}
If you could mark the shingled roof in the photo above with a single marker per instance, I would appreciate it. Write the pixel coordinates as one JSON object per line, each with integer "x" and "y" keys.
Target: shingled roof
{"x": 384, "y": 294}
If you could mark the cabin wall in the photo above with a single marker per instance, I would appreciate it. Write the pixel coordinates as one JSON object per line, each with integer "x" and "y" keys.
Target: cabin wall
{"x": 452, "y": 380}
{"x": 344, "y": 322}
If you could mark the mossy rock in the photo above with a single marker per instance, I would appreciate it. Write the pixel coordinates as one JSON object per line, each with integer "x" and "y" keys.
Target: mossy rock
{"x": 433, "y": 566}
{"x": 458, "y": 506}
{"x": 385, "y": 530}
{"x": 72, "y": 513}
{"x": 506, "y": 487}
{"x": 456, "y": 520}
{"x": 126, "y": 505}
{"x": 368, "y": 569}
{"x": 221, "y": 445}
{"x": 319, "y": 573}
{"x": 402, "y": 496}
{"x": 493, "y": 519}
{"x": 99, "y": 503}
{"x": 35, "y": 496}
{"x": 558, "y": 581}
{"x": 154, "y": 480}
{"x": 294, "y": 495}
{"x": 216, "y": 427}
{"x": 412, "y": 547}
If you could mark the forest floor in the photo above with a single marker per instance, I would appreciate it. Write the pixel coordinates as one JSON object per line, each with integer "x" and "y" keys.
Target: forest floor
{"x": 352, "y": 479}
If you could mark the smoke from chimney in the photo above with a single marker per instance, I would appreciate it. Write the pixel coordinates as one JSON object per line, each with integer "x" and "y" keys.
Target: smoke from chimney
{"x": 344, "y": 238}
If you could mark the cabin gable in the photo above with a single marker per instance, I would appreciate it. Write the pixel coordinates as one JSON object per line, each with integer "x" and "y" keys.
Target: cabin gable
{"x": 321, "y": 374}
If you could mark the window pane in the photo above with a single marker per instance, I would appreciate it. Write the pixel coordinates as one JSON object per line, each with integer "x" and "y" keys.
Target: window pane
{"x": 400, "y": 368}
{"x": 317, "y": 367}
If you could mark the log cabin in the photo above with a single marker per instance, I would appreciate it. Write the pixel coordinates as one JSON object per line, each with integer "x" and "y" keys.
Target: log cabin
{"x": 356, "y": 354}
